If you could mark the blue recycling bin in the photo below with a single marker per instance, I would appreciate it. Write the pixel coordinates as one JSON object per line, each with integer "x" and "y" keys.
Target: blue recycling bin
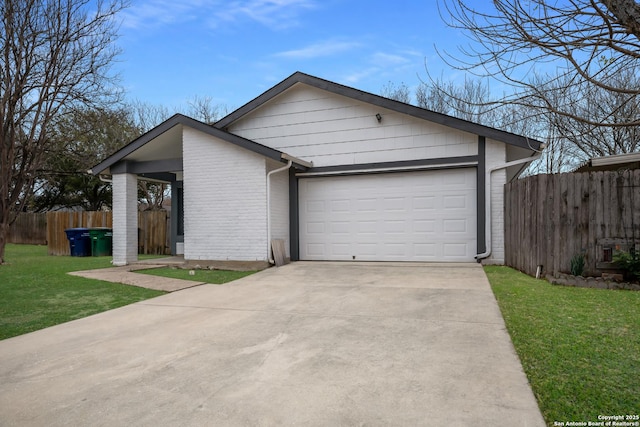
{"x": 79, "y": 241}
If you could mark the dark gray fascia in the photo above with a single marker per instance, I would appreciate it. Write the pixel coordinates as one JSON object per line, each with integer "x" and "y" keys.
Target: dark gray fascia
{"x": 180, "y": 119}
{"x": 294, "y": 217}
{"x": 152, "y": 166}
{"x": 401, "y": 166}
{"x": 390, "y": 104}
{"x": 167, "y": 177}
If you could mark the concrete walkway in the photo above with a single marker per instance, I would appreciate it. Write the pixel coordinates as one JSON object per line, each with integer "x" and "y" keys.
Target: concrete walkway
{"x": 304, "y": 344}
{"x": 128, "y": 276}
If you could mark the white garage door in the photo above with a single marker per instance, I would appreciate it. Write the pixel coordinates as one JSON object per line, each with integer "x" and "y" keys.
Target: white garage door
{"x": 408, "y": 216}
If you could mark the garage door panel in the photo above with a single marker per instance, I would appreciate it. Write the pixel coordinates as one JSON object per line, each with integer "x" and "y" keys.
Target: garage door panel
{"x": 315, "y": 228}
{"x": 454, "y": 202}
{"x": 394, "y": 227}
{"x": 455, "y": 226}
{"x": 424, "y": 251}
{"x": 413, "y": 216}
{"x": 314, "y": 206}
{"x": 367, "y": 249}
{"x": 367, "y": 227}
{"x": 455, "y": 249}
{"x": 367, "y": 205}
{"x": 315, "y": 249}
{"x": 340, "y": 227}
{"x": 393, "y": 204}
{"x": 424, "y": 203}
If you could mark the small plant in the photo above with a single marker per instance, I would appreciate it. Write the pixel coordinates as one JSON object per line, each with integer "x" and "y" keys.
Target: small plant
{"x": 577, "y": 265}
{"x": 629, "y": 262}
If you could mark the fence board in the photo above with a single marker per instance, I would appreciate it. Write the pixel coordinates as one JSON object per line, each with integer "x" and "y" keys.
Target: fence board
{"x": 152, "y": 238}
{"x": 551, "y": 218}
{"x": 153, "y": 226}
{"x": 29, "y": 229}
{"x": 57, "y": 222}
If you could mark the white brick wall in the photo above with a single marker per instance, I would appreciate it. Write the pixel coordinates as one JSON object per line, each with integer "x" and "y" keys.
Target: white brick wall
{"x": 125, "y": 219}
{"x": 496, "y": 155}
{"x": 224, "y": 200}
{"x": 280, "y": 204}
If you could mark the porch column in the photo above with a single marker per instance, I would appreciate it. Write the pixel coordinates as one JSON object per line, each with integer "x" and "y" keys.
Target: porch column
{"x": 125, "y": 219}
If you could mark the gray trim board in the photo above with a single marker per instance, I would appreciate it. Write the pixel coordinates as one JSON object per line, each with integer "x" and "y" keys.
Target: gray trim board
{"x": 481, "y": 189}
{"x": 153, "y": 166}
{"x": 362, "y": 168}
{"x": 178, "y": 120}
{"x": 294, "y": 217}
{"x": 389, "y": 104}
{"x": 175, "y": 216}
{"x": 159, "y": 176}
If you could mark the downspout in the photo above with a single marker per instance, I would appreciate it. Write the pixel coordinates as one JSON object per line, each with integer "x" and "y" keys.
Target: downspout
{"x": 103, "y": 179}
{"x": 284, "y": 168}
{"x": 487, "y": 216}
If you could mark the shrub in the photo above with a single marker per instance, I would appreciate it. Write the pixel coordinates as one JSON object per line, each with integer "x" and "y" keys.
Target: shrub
{"x": 629, "y": 262}
{"x": 577, "y": 265}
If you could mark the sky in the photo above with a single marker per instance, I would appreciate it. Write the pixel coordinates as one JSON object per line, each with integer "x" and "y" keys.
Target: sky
{"x": 233, "y": 50}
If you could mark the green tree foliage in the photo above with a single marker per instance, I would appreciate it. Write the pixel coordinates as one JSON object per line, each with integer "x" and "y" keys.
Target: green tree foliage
{"x": 81, "y": 139}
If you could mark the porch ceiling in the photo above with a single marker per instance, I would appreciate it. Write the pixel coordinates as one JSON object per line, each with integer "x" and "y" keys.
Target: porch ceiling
{"x": 167, "y": 145}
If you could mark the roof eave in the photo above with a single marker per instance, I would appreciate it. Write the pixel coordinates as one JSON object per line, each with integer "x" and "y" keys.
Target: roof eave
{"x": 390, "y": 104}
{"x": 179, "y": 119}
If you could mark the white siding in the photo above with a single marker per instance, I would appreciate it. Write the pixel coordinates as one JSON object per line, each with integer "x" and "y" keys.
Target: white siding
{"x": 224, "y": 200}
{"x": 280, "y": 204}
{"x": 330, "y": 129}
{"x": 496, "y": 155}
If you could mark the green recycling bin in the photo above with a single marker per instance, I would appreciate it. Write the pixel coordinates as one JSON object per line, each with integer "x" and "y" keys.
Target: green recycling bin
{"x": 101, "y": 241}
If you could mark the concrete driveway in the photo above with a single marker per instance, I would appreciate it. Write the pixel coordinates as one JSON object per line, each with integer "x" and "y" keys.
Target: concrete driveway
{"x": 335, "y": 344}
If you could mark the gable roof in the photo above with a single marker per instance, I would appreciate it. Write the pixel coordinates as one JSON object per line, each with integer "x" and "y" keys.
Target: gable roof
{"x": 179, "y": 119}
{"x": 390, "y": 104}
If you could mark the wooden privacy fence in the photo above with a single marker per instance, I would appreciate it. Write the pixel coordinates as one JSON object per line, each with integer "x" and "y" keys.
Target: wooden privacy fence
{"x": 29, "y": 229}
{"x": 551, "y": 218}
{"x": 154, "y": 233}
{"x": 153, "y": 229}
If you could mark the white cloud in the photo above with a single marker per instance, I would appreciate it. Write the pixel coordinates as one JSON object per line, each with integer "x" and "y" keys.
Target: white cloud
{"x": 357, "y": 76}
{"x": 316, "y": 50}
{"x": 153, "y": 13}
{"x": 275, "y": 14}
{"x": 387, "y": 59}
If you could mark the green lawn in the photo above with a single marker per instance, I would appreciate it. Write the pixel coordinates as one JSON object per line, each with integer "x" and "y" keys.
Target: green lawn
{"x": 36, "y": 292}
{"x": 580, "y": 348}
{"x": 209, "y": 276}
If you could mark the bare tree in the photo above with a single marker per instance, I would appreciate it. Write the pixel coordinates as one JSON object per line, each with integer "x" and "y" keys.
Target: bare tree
{"x": 54, "y": 55}
{"x": 147, "y": 116}
{"x": 574, "y": 45}
{"x": 202, "y": 108}
{"x": 400, "y": 92}
{"x": 470, "y": 101}
{"x": 473, "y": 101}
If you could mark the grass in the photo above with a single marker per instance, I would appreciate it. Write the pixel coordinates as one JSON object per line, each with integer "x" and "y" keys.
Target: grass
{"x": 36, "y": 292}
{"x": 209, "y": 276}
{"x": 580, "y": 348}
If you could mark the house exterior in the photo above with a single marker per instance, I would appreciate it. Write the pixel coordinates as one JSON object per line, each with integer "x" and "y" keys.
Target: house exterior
{"x": 337, "y": 173}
